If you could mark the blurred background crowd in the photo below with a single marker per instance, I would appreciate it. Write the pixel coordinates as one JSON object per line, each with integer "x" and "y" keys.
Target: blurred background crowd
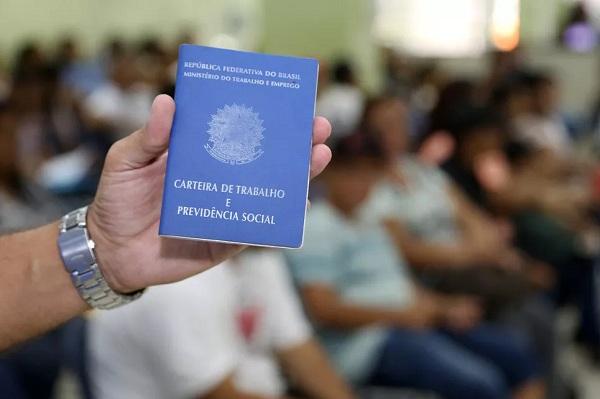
{"x": 453, "y": 245}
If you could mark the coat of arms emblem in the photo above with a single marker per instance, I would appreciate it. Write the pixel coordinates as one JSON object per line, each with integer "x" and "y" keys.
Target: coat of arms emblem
{"x": 235, "y": 134}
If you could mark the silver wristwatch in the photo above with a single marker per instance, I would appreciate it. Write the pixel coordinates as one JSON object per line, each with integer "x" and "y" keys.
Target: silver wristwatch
{"x": 77, "y": 252}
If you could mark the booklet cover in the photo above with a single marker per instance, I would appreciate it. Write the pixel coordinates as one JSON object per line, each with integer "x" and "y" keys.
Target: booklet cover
{"x": 239, "y": 155}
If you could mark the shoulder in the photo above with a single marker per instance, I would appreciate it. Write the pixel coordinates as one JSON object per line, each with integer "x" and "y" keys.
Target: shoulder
{"x": 103, "y": 97}
{"x": 420, "y": 170}
{"x": 322, "y": 218}
{"x": 381, "y": 203}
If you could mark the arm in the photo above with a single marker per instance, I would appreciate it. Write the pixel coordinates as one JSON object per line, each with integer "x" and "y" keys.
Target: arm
{"x": 480, "y": 241}
{"x": 527, "y": 191}
{"x": 423, "y": 254}
{"x": 36, "y": 293}
{"x": 310, "y": 369}
{"x": 227, "y": 390}
{"x": 473, "y": 221}
{"x": 326, "y": 307}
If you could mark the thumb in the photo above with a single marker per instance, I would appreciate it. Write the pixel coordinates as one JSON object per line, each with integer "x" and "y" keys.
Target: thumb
{"x": 143, "y": 146}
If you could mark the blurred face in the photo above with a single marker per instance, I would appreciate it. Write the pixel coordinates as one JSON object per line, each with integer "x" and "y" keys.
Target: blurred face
{"x": 28, "y": 96}
{"x": 519, "y": 102}
{"x": 547, "y": 98}
{"x": 324, "y": 72}
{"x": 482, "y": 141}
{"x": 390, "y": 121}
{"x": 350, "y": 185}
{"x": 125, "y": 71}
{"x": 68, "y": 51}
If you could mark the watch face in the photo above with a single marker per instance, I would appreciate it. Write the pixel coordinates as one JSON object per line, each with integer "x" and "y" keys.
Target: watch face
{"x": 77, "y": 253}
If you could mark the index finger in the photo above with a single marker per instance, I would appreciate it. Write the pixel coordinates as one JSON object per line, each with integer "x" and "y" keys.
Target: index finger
{"x": 321, "y": 130}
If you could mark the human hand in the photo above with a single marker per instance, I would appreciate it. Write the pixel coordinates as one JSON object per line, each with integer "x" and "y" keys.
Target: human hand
{"x": 541, "y": 275}
{"x": 124, "y": 216}
{"x": 461, "y": 313}
{"x": 479, "y": 252}
{"x": 423, "y": 314}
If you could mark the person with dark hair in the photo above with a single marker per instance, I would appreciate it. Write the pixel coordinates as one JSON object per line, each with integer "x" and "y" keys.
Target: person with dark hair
{"x": 22, "y": 203}
{"x": 30, "y": 62}
{"x": 578, "y": 32}
{"x": 453, "y": 96}
{"x": 66, "y": 55}
{"x": 481, "y": 166}
{"x": 378, "y": 325}
{"x": 31, "y": 370}
{"x": 343, "y": 73}
{"x": 435, "y": 145}
{"x": 154, "y": 63}
{"x": 550, "y": 220}
{"x": 435, "y": 225}
{"x": 122, "y": 103}
{"x": 542, "y": 127}
{"x": 452, "y": 243}
{"x": 342, "y": 100}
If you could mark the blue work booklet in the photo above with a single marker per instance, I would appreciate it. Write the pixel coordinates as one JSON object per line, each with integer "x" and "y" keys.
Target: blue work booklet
{"x": 239, "y": 155}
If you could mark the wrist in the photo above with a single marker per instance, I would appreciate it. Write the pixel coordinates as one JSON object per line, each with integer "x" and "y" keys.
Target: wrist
{"x": 104, "y": 247}
{"x": 77, "y": 250}
{"x": 50, "y": 276}
{"x": 440, "y": 308}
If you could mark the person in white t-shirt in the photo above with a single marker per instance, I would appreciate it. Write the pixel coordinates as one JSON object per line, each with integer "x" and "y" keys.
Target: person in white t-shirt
{"x": 219, "y": 335}
{"x": 122, "y": 104}
{"x": 342, "y": 101}
{"x": 543, "y": 127}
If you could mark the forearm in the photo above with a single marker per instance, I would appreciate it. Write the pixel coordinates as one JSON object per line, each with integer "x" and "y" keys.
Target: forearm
{"x": 36, "y": 292}
{"x": 473, "y": 221}
{"x": 428, "y": 255}
{"x": 343, "y": 315}
{"x": 311, "y": 371}
{"x": 227, "y": 390}
{"x": 420, "y": 253}
{"x": 235, "y": 395}
{"x": 521, "y": 193}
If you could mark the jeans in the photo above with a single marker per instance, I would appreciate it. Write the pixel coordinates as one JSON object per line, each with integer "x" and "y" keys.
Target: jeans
{"x": 31, "y": 371}
{"x": 485, "y": 362}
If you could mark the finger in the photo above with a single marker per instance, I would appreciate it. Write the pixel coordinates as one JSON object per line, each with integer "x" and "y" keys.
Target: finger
{"x": 321, "y": 130}
{"x": 321, "y": 155}
{"x": 145, "y": 145}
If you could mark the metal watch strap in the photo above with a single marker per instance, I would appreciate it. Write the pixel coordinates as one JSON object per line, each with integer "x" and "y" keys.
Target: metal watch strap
{"x": 77, "y": 252}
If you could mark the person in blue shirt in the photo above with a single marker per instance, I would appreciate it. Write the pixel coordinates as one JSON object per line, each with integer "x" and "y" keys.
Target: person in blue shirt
{"x": 379, "y": 327}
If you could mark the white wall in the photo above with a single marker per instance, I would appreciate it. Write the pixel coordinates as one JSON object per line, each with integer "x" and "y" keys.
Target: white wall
{"x": 322, "y": 28}
{"x": 579, "y": 74}
{"x": 92, "y": 21}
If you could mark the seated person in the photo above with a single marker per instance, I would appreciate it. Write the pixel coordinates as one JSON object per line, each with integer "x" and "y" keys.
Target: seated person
{"x": 542, "y": 126}
{"x": 378, "y": 326}
{"x": 32, "y": 369}
{"x": 551, "y": 220}
{"x": 220, "y": 335}
{"x": 434, "y": 225}
{"x": 453, "y": 244}
{"x": 503, "y": 175}
{"x": 529, "y": 105}
{"x": 122, "y": 104}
